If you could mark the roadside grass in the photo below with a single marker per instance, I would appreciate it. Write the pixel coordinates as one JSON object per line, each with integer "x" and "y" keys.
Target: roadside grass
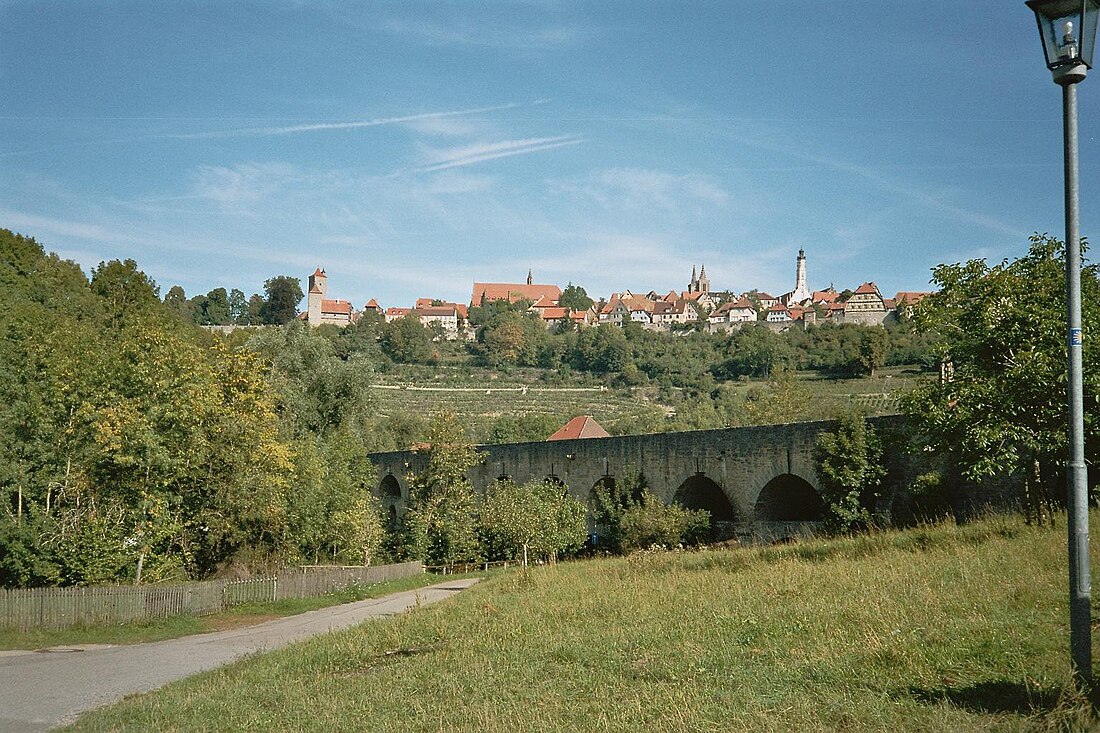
{"x": 185, "y": 625}
{"x": 944, "y": 628}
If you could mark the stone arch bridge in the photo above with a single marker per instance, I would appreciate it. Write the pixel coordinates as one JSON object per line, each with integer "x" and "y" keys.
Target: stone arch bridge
{"x": 758, "y": 483}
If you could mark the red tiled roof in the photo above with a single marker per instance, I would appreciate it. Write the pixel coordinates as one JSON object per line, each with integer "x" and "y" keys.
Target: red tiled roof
{"x": 513, "y": 292}
{"x": 436, "y": 310}
{"x": 910, "y": 296}
{"x": 553, "y": 314}
{"x": 583, "y": 426}
{"x": 372, "y": 303}
{"x": 398, "y": 311}
{"x": 867, "y": 288}
{"x": 825, "y": 296}
{"x": 342, "y": 307}
{"x": 319, "y": 273}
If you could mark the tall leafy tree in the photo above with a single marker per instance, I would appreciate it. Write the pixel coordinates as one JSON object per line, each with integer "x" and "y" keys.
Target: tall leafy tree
{"x": 848, "y": 462}
{"x": 575, "y": 297}
{"x": 440, "y": 525}
{"x": 1000, "y": 333}
{"x": 281, "y": 304}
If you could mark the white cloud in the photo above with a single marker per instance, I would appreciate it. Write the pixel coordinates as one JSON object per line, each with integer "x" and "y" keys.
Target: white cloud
{"x": 464, "y": 32}
{"x": 640, "y": 189}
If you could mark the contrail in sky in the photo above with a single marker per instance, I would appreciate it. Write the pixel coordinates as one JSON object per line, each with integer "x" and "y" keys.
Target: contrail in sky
{"x": 478, "y": 153}
{"x": 314, "y": 127}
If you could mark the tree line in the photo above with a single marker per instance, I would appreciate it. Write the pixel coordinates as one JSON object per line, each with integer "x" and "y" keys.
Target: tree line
{"x": 137, "y": 447}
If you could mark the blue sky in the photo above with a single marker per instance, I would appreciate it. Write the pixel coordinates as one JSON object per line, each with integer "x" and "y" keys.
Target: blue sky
{"x": 410, "y": 148}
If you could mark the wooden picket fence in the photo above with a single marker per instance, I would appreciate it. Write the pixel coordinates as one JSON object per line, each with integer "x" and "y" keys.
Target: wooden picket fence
{"x": 24, "y": 609}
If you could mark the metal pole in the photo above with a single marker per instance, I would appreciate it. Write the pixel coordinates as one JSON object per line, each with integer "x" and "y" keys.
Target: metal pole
{"x": 1080, "y": 583}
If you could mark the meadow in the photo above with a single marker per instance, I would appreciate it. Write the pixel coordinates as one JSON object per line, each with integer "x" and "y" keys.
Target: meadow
{"x": 945, "y": 628}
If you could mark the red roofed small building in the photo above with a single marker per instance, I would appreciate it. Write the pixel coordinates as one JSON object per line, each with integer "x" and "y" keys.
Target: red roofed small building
{"x": 392, "y": 314}
{"x": 583, "y": 426}
{"x": 321, "y": 310}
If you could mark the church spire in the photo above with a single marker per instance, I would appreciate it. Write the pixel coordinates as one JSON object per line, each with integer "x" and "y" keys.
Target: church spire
{"x": 530, "y": 278}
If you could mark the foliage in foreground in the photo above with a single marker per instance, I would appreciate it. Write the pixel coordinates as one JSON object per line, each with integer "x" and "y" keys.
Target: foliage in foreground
{"x": 939, "y": 628}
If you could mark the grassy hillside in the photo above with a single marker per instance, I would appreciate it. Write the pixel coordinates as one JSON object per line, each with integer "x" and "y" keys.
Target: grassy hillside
{"x": 944, "y": 629}
{"x": 482, "y": 396}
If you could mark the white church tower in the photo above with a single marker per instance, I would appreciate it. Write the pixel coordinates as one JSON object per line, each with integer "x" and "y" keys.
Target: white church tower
{"x": 801, "y": 293}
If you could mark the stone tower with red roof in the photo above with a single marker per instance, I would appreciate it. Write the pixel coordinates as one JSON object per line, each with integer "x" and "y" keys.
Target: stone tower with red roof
{"x": 318, "y": 286}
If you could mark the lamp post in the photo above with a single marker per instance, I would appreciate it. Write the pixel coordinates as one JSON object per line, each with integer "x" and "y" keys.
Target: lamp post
{"x": 1068, "y": 31}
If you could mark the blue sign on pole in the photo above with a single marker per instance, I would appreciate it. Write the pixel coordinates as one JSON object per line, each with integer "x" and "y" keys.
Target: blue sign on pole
{"x": 1075, "y": 338}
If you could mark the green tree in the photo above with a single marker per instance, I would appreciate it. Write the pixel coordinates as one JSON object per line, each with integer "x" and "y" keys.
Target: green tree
{"x": 873, "y": 344}
{"x": 539, "y": 518}
{"x": 176, "y": 302}
{"x": 575, "y": 297}
{"x": 1000, "y": 332}
{"x": 123, "y": 287}
{"x": 849, "y": 468}
{"x": 405, "y": 340}
{"x": 281, "y": 304}
{"x": 440, "y": 525}
{"x": 652, "y": 523}
{"x": 238, "y": 308}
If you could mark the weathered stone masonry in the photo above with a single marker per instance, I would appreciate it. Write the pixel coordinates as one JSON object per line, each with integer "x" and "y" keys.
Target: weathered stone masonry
{"x": 757, "y": 481}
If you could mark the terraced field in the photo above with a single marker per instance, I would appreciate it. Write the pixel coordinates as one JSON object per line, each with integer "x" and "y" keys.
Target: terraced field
{"x": 480, "y": 403}
{"x": 484, "y": 404}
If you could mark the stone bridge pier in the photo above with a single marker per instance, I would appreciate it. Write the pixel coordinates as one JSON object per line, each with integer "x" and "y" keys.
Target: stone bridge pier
{"x": 758, "y": 483}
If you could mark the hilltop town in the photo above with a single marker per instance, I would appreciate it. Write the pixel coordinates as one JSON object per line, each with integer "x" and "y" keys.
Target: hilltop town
{"x": 698, "y": 307}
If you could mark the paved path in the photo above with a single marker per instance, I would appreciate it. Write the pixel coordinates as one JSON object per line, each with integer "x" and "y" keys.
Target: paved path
{"x": 41, "y": 690}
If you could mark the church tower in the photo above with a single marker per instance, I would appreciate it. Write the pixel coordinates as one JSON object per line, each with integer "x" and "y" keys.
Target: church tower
{"x": 318, "y": 286}
{"x": 801, "y": 292}
{"x": 530, "y": 278}
{"x": 699, "y": 283}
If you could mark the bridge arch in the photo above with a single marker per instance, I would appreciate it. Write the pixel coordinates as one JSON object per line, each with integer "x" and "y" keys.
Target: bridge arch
{"x": 390, "y": 487}
{"x": 701, "y": 492}
{"x": 789, "y": 498}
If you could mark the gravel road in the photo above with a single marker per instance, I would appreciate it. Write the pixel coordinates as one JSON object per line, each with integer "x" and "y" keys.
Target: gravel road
{"x": 43, "y": 689}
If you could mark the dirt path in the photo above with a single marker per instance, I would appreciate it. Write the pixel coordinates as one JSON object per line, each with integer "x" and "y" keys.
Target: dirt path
{"x": 47, "y": 688}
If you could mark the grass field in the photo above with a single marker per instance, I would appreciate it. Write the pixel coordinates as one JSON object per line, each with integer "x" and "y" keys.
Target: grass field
{"x": 937, "y": 629}
{"x": 184, "y": 625}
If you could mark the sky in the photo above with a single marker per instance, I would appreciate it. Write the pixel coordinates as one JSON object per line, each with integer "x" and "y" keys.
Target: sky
{"x": 412, "y": 148}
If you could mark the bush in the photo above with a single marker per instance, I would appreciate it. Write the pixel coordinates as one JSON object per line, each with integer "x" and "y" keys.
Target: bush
{"x": 651, "y": 522}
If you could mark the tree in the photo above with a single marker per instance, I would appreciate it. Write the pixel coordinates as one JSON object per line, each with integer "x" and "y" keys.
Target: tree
{"x": 1000, "y": 332}
{"x": 872, "y": 350}
{"x": 123, "y": 287}
{"x": 575, "y": 297}
{"x": 539, "y": 517}
{"x": 849, "y": 468}
{"x": 283, "y": 295}
{"x": 216, "y": 309}
{"x": 440, "y": 525}
{"x": 176, "y": 302}
{"x": 238, "y": 308}
{"x": 405, "y": 340}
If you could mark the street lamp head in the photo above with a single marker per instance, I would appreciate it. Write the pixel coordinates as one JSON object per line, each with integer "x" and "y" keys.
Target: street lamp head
{"x": 1068, "y": 31}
